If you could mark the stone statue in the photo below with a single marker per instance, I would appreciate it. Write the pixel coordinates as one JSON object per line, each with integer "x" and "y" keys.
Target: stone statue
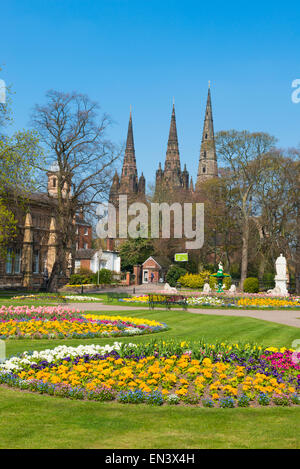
{"x": 280, "y": 265}
{"x": 206, "y": 289}
{"x": 169, "y": 289}
{"x": 280, "y": 278}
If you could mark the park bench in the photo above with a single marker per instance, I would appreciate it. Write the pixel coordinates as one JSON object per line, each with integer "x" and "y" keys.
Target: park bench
{"x": 167, "y": 300}
{"x": 115, "y": 296}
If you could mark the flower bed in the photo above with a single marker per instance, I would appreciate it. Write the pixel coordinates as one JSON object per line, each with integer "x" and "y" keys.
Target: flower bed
{"x": 161, "y": 373}
{"x": 60, "y": 322}
{"x": 229, "y": 302}
{"x": 49, "y": 296}
{"x": 269, "y": 302}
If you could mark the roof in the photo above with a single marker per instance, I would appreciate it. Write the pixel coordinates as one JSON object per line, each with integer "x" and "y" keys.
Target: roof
{"x": 151, "y": 258}
{"x": 85, "y": 253}
{"x": 81, "y": 221}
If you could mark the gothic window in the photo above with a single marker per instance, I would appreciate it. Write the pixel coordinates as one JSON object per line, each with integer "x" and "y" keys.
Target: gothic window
{"x": 204, "y": 170}
{"x": 13, "y": 261}
{"x": 205, "y": 135}
{"x": 35, "y": 262}
{"x": 9, "y": 263}
{"x": 18, "y": 261}
{"x": 54, "y": 182}
{"x": 204, "y": 154}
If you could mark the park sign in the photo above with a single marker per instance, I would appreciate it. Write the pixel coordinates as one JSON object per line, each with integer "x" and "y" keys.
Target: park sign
{"x": 181, "y": 257}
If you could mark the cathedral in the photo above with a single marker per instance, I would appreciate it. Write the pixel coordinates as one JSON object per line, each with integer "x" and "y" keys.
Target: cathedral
{"x": 171, "y": 182}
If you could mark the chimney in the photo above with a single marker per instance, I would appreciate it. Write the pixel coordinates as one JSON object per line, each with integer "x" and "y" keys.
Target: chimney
{"x": 109, "y": 244}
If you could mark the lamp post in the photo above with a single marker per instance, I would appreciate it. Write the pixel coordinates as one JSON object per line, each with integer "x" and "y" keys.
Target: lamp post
{"x": 100, "y": 252}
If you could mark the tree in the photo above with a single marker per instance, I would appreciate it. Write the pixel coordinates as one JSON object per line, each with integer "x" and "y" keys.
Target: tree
{"x": 243, "y": 154}
{"x": 81, "y": 156}
{"x": 19, "y": 154}
{"x": 135, "y": 251}
{"x": 222, "y": 231}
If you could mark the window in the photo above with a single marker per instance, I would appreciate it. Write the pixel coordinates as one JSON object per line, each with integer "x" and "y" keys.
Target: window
{"x": 18, "y": 261}
{"x": 9, "y": 264}
{"x": 85, "y": 246}
{"x": 204, "y": 154}
{"x": 204, "y": 170}
{"x": 54, "y": 182}
{"x": 86, "y": 231}
{"x": 205, "y": 135}
{"x": 35, "y": 262}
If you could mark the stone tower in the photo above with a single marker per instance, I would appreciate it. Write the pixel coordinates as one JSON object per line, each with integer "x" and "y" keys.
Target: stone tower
{"x": 208, "y": 167}
{"x": 129, "y": 177}
{"x": 128, "y": 184}
{"x": 172, "y": 179}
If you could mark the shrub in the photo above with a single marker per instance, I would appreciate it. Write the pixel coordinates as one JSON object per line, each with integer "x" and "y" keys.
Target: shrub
{"x": 251, "y": 285}
{"x": 173, "y": 274}
{"x": 78, "y": 279}
{"x": 194, "y": 280}
{"x": 105, "y": 277}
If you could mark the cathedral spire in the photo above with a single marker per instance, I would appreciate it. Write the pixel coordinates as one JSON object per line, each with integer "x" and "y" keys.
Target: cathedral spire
{"x": 172, "y": 155}
{"x": 208, "y": 159}
{"x": 129, "y": 182}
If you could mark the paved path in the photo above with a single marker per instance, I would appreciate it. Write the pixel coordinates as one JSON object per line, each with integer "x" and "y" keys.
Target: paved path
{"x": 287, "y": 317}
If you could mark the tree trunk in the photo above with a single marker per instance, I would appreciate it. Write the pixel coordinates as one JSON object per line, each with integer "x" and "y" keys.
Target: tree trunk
{"x": 297, "y": 254}
{"x": 52, "y": 284}
{"x": 245, "y": 245}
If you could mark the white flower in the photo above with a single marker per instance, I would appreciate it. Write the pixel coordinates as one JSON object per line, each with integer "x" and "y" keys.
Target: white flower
{"x": 58, "y": 353}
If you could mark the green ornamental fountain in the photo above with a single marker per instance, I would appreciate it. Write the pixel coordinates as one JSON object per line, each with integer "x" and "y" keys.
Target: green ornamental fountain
{"x": 220, "y": 277}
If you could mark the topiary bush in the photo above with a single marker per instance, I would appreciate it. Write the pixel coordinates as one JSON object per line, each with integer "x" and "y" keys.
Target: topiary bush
{"x": 173, "y": 274}
{"x": 251, "y": 285}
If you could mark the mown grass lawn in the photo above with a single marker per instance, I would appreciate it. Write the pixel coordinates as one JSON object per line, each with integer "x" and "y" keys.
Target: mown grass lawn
{"x": 30, "y": 420}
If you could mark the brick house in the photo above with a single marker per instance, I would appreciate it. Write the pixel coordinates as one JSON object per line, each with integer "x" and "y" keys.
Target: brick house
{"x": 34, "y": 248}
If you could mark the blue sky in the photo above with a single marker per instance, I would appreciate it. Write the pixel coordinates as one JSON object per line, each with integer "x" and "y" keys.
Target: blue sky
{"x": 123, "y": 52}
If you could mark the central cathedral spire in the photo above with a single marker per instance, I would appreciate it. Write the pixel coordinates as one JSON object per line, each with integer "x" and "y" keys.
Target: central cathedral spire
{"x": 172, "y": 156}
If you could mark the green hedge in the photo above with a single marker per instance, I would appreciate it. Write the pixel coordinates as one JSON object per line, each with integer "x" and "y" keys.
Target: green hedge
{"x": 105, "y": 277}
{"x": 173, "y": 275}
{"x": 251, "y": 285}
